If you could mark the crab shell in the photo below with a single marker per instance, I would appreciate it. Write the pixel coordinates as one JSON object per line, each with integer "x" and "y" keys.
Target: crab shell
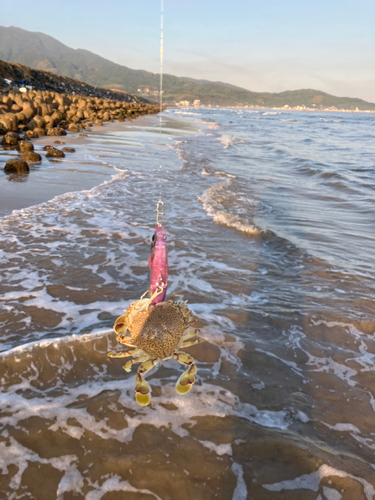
{"x": 157, "y": 330}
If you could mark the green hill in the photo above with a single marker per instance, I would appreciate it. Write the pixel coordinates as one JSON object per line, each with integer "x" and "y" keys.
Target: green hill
{"x": 41, "y": 51}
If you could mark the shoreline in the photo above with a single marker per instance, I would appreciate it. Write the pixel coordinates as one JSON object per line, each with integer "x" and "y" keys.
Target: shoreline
{"x": 260, "y": 108}
{"x": 52, "y": 177}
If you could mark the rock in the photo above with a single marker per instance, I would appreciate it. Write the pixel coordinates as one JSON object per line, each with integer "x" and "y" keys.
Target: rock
{"x": 24, "y": 146}
{"x": 57, "y": 116}
{"x": 11, "y": 121}
{"x": 21, "y": 118}
{"x": 32, "y": 134}
{"x": 37, "y": 122}
{"x": 15, "y": 108}
{"x": 39, "y": 131}
{"x": 56, "y": 131}
{"x": 10, "y": 139}
{"x": 53, "y": 152}
{"x": 68, "y": 150}
{"x": 31, "y": 157}
{"x": 98, "y": 122}
{"x": 28, "y": 109}
{"x": 46, "y": 109}
{"x": 5, "y": 124}
{"x": 50, "y": 122}
{"x": 73, "y": 128}
{"x": 59, "y": 142}
{"x": 16, "y": 167}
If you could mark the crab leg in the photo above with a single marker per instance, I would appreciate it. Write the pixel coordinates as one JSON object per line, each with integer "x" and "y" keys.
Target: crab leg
{"x": 142, "y": 389}
{"x": 128, "y": 366}
{"x": 187, "y": 379}
{"x": 191, "y": 334}
{"x": 120, "y": 325}
{"x": 125, "y": 354}
{"x": 188, "y": 343}
{"x": 125, "y": 340}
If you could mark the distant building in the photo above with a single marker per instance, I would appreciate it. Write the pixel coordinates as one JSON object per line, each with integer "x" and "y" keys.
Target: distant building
{"x": 183, "y": 103}
{"x": 196, "y": 103}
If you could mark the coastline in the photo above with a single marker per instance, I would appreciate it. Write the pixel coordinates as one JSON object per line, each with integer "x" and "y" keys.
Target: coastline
{"x": 284, "y": 108}
{"x": 56, "y": 176}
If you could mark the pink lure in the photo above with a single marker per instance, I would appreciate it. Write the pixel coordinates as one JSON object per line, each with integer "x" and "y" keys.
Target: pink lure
{"x": 158, "y": 263}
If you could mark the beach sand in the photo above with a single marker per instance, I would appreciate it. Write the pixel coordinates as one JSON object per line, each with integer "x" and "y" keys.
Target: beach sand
{"x": 56, "y": 176}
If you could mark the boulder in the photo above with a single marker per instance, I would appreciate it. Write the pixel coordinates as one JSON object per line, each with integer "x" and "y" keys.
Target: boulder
{"x": 56, "y": 131}
{"x": 16, "y": 167}
{"x": 28, "y": 109}
{"x": 10, "y": 139}
{"x": 21, "y": 117}
{"x": 31, "y": 157}
{"x": 32, "y": 134}
{"x": 82, "y": 103}
{"x": 68, "y": 150}
{"x": 57, "y": 116}
{"x": 10, "y": 121}
{"x": 15, "y": 108}
{"x": 50, "y": 122}
{"x": 54, "y": 152}
{"x": 24, "y": 146}
{"x": 45, "y": 109}
{"x": 37, "y": 122}
{"x": 73, "y": 127}
{"x": 7, "y": 101}
{"x": 39, "y": 131}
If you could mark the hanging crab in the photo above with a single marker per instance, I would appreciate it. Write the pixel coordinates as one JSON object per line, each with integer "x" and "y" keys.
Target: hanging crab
{"x": 157, "y": 333}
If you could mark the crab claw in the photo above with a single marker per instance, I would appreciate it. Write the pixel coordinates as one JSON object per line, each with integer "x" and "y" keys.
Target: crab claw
{"x": 186, "y": 380}
{"x": 142, "y": 393}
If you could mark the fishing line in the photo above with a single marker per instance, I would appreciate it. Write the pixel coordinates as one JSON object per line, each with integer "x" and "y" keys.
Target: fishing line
{"x": 161, "y": 92}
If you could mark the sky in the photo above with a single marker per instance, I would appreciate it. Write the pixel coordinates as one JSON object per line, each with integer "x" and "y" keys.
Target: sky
{"x": 260, "y": 45}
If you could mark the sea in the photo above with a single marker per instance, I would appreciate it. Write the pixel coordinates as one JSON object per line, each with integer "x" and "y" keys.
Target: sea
{"x": 270, "y": 220}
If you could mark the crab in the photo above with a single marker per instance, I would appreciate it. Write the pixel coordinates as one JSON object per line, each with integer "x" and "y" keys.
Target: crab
{"x": 158, "y": 332}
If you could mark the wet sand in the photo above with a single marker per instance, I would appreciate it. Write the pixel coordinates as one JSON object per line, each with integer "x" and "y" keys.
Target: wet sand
{"x": 283, "y": 405}
{"x": 56, "y": 176}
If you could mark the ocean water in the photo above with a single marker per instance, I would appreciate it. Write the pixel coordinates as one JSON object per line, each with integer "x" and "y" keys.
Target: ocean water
{"x": 270, "y": 220}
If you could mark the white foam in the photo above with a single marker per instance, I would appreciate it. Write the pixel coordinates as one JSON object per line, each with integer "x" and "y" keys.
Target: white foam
{"x": 227, "y": 141}
{"x": 313, "y": 481}
{"x": 240, "y": 492}
{"x": 343, "y": 427}
{"x": 115, "y": 484}
{"x": 219, "y": 449}
{"x": 331, "y": 493}
{"x": 213, "y": 200}
{"x": 328, "y": 365}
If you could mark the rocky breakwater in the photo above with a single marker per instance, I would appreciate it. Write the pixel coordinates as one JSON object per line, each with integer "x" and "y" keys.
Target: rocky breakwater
{"x": 36, "y": 102}
{"x": 28, "y": 115}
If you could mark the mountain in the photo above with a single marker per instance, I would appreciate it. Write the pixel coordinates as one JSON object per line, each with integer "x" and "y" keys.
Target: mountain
{"x": 41, "y": 51}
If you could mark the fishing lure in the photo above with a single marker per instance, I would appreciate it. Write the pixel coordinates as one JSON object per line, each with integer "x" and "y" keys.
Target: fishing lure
{"x": 158, "y": 261}
{"x": 158, "y": 329}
